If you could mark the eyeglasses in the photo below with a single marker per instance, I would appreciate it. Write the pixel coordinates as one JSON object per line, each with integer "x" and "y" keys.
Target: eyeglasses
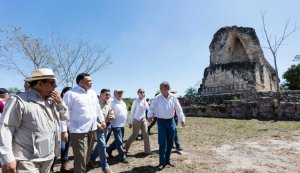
{"x": 53, "y": 83}
{"x": 142, "y": 92}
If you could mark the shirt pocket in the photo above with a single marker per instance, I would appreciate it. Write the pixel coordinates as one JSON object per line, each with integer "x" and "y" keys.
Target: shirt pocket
{"x": 42, "y": 145}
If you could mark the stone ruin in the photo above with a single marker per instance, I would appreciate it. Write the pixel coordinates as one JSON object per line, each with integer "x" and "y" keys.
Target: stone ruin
{"x": 237, "y": 64}
{"x": 239, "y": 82}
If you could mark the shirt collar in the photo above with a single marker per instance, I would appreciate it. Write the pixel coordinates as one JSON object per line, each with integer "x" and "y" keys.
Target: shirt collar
{"x": 169, "y": 96}
{"x": 103, "y": 102}
{"x": 117, "y": 99}
{"x": 81, "y": 89}
{"x": 35, "y": 96}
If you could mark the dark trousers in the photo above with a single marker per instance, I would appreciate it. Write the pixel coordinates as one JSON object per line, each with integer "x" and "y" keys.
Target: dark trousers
{"x": 152, "y": 124}
{"x": 108, "y": 135}
{"x": 166, "y": 134}
{"x": 176, "y": 139}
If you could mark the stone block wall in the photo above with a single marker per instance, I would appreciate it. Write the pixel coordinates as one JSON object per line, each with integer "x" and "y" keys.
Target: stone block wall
{"x": 261, "y": 106}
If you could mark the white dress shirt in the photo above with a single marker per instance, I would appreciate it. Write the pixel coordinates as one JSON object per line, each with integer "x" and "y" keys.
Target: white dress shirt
{"x": 165, "y": 108}
{"x": 138, "y": 109}
{"x": 84, "y": 110}
{"x": 121, "y": 113}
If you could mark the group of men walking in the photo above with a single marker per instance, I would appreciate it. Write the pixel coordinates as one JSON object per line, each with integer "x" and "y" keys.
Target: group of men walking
{"x": 34, "y": 123}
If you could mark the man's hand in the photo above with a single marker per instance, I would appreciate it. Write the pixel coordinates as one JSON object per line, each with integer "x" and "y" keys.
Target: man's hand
{"x": 65, "y": 136}
{"x": 109, "y": 118}
{"x": 182, "y": 123}
{"x": 56, "y": 97}
{"x": 100, "y": 127}
{"x": 10, "y": 167}
{"x": 103, "y": 124}
{"x": 150, "y": 119}
{"x": 130, "y": 126}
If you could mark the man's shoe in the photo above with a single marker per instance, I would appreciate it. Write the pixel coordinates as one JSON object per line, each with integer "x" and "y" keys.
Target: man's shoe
{"x": 179, "y": 148}
{"x": 109, "y": 154}
{"x": 108, "y": 171}
{"x": 170, "y": 164}
{"x": 124, "y": 161}
{"x": 64, "y": 166}
{"x": 93, "y": 164}
{"x": 160, "y": 167}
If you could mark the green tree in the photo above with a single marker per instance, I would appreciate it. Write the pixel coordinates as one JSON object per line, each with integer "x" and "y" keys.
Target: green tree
{"x": 292, "y": 76}
{"x": 190, "y": 92}
{"x": 128, "y": 102}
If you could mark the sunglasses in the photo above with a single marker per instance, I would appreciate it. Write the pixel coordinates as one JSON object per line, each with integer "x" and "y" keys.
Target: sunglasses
{"x": 53, "y": 83}
{"x": 142, "y": 92}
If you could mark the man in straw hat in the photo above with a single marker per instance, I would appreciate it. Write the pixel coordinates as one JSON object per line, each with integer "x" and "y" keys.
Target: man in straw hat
{"x": 163, "y": 107}
{"x": 29, "y": 137}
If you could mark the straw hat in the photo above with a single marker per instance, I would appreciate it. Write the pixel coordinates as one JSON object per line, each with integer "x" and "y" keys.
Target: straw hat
{"x": 43, "y": 73}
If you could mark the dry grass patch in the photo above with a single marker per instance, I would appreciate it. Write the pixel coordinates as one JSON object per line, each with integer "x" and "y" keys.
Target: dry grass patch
{"x": 223, "y": 145}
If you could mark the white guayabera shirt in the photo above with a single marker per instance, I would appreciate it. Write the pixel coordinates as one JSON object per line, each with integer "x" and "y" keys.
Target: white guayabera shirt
{"x": 165, "y": 108}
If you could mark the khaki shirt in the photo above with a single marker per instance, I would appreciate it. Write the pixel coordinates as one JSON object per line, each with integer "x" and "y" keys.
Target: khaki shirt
{"x": 106, "y": 108}
{"x": 29, "y": 128}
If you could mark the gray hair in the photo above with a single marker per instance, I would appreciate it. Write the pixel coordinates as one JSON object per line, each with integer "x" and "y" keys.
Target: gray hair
{"x": 166, "y": 84}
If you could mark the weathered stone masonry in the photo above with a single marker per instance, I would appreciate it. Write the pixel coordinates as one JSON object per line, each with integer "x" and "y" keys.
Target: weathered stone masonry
{"x": 239, "y": 82}
{"x": 262, "y": 105}
{"x": 237, "y": 64}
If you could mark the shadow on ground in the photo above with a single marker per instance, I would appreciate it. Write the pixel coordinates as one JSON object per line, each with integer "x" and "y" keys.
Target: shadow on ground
{"x": 148, "y": 169}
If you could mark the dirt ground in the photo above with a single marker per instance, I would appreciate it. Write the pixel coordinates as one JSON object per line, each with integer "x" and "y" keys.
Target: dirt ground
{"x": 221, "y": 145}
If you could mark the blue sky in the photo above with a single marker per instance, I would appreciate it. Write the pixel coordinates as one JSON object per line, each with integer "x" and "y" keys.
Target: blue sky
{"x": 150, "y": 40}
